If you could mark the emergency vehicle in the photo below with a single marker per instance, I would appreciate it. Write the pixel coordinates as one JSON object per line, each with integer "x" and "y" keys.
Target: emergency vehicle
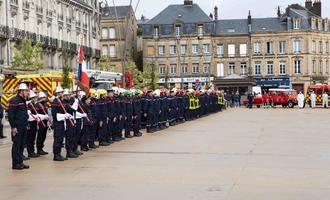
{"x": 284, "y": 97}
{"x": 319, "y": 90}
{"x": 42, "y": 82}
{"x": 98, "y": 78}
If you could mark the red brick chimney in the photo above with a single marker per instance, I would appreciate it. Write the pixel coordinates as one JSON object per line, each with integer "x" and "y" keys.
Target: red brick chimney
{"x": 317, "y": 8}
{"x": 216, "y": 16}
{"x": 309, "y": 4}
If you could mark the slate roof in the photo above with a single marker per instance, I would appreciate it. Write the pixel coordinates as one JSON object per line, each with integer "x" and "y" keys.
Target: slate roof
{"x": 109, "y": 12}
{"x": 186, "y": 13}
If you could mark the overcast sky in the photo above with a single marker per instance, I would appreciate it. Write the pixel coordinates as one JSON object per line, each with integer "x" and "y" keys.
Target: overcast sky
{"x": 228, "y": 9}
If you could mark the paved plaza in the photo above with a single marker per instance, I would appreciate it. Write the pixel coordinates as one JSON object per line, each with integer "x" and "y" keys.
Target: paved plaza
{"x": 238, "y": 154}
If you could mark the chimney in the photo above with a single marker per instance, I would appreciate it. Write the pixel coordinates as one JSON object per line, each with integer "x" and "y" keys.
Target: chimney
{"x": 317, "y": 8}
{"x": 308, "y": 4}
{"x": 216, "y": 16}
{"x": 279, "y": 11}
{"x": 249, "y": 18}
{"x": 188, "y": 2}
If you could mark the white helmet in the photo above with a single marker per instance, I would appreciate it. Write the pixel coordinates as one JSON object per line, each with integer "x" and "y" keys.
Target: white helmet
{"x": 32, "y": 94}
{"x": 42, "y": 95}
{"x": 75, "y": 88}
{"x": 66, "y": 91}
{"x": 82, "y": 94}
{"x": 59, "y": 89}
{"x": 22, "y": 86}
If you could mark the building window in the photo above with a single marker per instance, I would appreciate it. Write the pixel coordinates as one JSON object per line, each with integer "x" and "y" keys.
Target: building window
{"x": 296, "y": 23}
{"x": 184, "y": 69}
{"x": 195, "y": 48}
{"x": 282, "y": 47}
{"x": 327, "y": 67}
{"x": 150, "y": 51}
{"x": 327, "y": 47}
{"x": 231, "y": 69}
{"x": 177, "y": 30}
{"x": 231, "y": 50}
{"x": 220, "y": 50}
{"x": 161, "y": 50}
{"x": 195, "y": 69}
{"x": 112, "y": 33}
{"x": 297, "y": 66}
{"x": 173, "y": 69}
{"x": 321, "y": 46}
{"x": 321, "y": 67}
{"x": 183, "y": 49}
{"x": 162, "y": 69}
{"x": 206, "y": 48}
{"x": 257, "y": 68}
{"x": 243, "y": 69}
{"x": 282, "y": 68}
{"x": 270, "y": 67}
{"x": 200, "y": 31}
{"x": 105, "y": 50}
{"x": 257, "y": 47}
{"x": 270, "y": 48}
{"x": 314, "y": 46}
{"x": 173, "y": 49}
{"x": 242, "y": 50}
{"x": 297, "y": 46}
{"x": 112, "y": 51}
{"x": 206, "y": 68}
{"x": 314, "y": 66}
{"x": 156, "y": 31}
{"x": 105, "y": 33}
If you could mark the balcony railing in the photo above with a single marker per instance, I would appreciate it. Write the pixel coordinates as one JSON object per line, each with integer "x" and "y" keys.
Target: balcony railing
{"x": 85, "y": 26}
{"x": 26, "y": 5}
{"x": 60, "y": 17}
{"x": 39, "y": 10}
{"x": 97, "y": 53}
{"x": 49, "y": 13}
{"x": 4, "y": 32}
{"x": 68, "y": 20}
{"x": 14, "y": 3}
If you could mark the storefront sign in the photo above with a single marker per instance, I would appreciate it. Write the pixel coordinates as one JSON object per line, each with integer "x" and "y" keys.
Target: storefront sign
{"x": 273, "y": 82}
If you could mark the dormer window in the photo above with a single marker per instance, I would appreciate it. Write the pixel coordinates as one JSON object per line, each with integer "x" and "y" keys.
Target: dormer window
{"x": 313, "y": 24}
{"x": 296, "y": 23}
{"x": 200, "y": 30}
{"x": 156, "y": 32}
{"x": 320, "y": 25}
{"x": 178, "y": 30}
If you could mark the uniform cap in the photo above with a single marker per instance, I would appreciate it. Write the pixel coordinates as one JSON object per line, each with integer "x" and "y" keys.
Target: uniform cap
{"x": 42, "y": 95}
{"x": 32, "y": 94}
{"x": 75, "y": 88}
{"x": 59, "y": 89}
{"x": 22, "y": 86}
{"x": 66, "y": 91}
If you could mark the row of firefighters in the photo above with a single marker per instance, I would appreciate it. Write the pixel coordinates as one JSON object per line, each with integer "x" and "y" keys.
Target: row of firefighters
{"x": 80, "y": 119}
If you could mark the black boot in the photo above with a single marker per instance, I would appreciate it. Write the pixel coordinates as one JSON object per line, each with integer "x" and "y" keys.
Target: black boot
{"x": 77, "y": 152}
{"x": 58, "y": 157}
{"x": 42, "y": 152}
{"x": 104, "y": 144}
{"x": 34, "y": 155}
{"x": 25, "y": 158}
{"x": 128, "y": 135}
{"x": 70, "y": 154}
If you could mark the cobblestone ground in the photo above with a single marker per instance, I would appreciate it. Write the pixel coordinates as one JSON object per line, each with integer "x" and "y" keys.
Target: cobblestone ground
{"x": 275, "y": 154}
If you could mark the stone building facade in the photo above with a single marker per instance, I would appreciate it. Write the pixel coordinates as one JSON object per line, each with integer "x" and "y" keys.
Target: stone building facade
{"x": 291, "y": 49}
{"x": 116, "y": 40}
{"x": 56, "y": 24}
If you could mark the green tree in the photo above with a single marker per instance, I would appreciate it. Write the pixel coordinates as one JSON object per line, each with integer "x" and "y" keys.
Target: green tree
{"x": 150, "y": 76}
{"x": 137, "y": 74}
{"x": 105, "y": 64}
{"x": 66, "y": 81}
{"x": 27, "y": 56}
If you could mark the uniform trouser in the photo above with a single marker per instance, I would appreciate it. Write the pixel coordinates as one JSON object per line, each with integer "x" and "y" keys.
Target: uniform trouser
{"x": 31, "y": 136}
{"x": 58, "y": 137}
{"x": 156, "y": 120}
{"x": 163, "y": 118}
{"x": 128, "y": 124}
{"x": 103, "y": 132}
{"x": 70, "y": 137}
{"x": 92, "y": 134}
{"x": 150, "y": 120}
{"x": 17, "y": 148}
{"x": 116, "y": 128}
{"x": 1, "y": 128}
{"x": 78, "y": 133}
{"x": 86, "y": 131}
{"x": 41, "y": 137}
{"x": 110, "y": 129}
{"x": 137, "y": 124}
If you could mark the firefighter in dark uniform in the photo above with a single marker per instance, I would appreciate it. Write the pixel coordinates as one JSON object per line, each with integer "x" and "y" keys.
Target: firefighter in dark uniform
{"x": 87, "y": 120}
{"x": 121, "y": 112}
{"x": 157, "y": 110}
{"x": 186, "y": 105}
{"x": 42, "y": 109}
{"x": 78, "y": 118}
{"x": 164, "y": 109}
{"x": 116, "y": 135}
{"x": 18, "y": 120}
{"x": 102, "y": 118}
{"x": 128, "y": 113}
{"x": 148, "y": 108}
{"x": 172, "y": 101}
{"x": 32, "y": 125}
{"x": 180, "y": 107}
{"x": 70, "y": 106}
{"x": 93, "y": 118}
{"x": 137, "y": 113}
{"x": 110, "y": 116}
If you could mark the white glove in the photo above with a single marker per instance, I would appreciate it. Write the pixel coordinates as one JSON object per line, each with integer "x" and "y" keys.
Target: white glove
{"x": 84, "y": 115}
{"x": 75, "y": 104}
{"x": 60, "y": 117}
{"x": 67, "y": 116}
{"x": 42, "y": 117}
{"x": 79, "y": 115}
